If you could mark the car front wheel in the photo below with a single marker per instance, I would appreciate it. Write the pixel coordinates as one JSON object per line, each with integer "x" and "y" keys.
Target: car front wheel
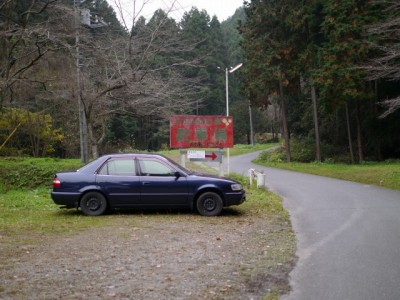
{"x": 209, "y": 204}
{"x": 93, "y": 204}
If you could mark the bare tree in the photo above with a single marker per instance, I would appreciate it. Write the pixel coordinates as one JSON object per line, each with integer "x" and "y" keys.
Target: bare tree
{"x": 29, "y": 31}
{"x": 140, "y": 73}
{"x": 387, "y": 63}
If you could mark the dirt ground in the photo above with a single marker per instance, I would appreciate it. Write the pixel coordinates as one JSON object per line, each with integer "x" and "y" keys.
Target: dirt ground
{"x": 151, "y": 256}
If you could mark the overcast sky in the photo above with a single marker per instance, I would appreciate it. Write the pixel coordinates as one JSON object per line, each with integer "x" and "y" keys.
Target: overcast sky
{"x": 221, "y": 8}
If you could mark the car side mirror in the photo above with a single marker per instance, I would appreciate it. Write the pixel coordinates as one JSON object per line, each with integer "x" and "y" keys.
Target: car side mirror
{"x": 177, "y": 174}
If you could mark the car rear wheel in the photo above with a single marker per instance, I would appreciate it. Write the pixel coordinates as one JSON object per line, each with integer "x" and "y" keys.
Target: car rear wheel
{"x": 93, "y": 204}
{"x": 209, "y": 204}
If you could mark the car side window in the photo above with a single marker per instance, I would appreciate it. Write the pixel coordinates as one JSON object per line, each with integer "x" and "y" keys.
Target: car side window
{"x": 152, "y": 167}
{"x": 119, "y": 166}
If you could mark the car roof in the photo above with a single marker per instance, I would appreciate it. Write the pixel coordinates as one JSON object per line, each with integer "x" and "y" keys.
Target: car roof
{"x": 133, "y": 154}
{"x": 90, "y": 167}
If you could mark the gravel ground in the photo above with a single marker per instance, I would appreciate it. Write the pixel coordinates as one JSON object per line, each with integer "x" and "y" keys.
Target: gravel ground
{"x": 151, "y": 256}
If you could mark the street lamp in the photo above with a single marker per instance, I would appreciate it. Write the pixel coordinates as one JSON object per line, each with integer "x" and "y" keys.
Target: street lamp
{"x": 227, "y": 85}
{"x": 227, "y": 71}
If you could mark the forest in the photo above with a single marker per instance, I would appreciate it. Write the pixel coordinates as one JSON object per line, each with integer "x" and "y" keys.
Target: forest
{"x": 321, "y": 76}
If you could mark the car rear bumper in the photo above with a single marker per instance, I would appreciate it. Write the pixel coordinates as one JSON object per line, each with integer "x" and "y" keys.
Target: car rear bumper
{"x": 68, "y": 200}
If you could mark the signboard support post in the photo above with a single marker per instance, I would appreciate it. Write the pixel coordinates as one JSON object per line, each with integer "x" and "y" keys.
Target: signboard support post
{"x": 183, "y": 158}
{"x": 227, "y": 161}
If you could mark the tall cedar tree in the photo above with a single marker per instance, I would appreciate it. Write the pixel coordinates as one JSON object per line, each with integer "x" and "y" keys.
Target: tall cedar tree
{"x": 272, "y": 44}
{"x": 206, "y": 35}
{"x": 344, "y": 48}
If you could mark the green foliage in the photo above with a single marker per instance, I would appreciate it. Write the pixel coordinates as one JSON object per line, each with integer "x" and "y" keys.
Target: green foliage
{"x": 272, "y": 156}
{"x": 33, "y": 133}
{"x": 205, "y": 35}
{"x": 31, "y": 173}
{"x": 241, "y": 116}
{"x": 303, "y": 150}
{"x": 232, "y": 36}
{"x": 260, "y": 201}
{"x": 321, "y": 44}
{"x": 271, "y": 45}
{"x": 344, "y": 49}
{"x": 385, "y": 174}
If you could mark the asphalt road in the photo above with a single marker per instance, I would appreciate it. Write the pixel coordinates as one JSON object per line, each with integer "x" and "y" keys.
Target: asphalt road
{"x": 348, "y": 235}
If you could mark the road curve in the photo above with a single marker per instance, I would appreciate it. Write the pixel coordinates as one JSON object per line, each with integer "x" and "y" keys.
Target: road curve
{"x": 348, "y": 234}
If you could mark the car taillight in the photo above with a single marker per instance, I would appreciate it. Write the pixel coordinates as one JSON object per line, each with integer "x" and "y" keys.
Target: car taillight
{"x": 56, "y": 183}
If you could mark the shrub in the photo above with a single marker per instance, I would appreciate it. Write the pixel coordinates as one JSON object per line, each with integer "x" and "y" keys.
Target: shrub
{"x": 28, "y": 173}
{"x": 273, "y": 156}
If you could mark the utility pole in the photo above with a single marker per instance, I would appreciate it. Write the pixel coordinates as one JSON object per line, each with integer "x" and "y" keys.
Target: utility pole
{"x": 83, "y": 131}
{"x": 82, "y": 16}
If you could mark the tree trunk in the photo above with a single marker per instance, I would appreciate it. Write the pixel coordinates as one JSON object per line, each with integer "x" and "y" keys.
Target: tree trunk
{"x": 360, "y": 141}
{"x": 274, "y": 121}
{"x": 94, "y": 143}
{"x": 94, "y": 149}
{"x": 251, "y": 125}
{"x": 317, "y": 137}
{"x": 284, "y": 122}
{"x": 378, "y": 147}
{"x": 349, "y": 134}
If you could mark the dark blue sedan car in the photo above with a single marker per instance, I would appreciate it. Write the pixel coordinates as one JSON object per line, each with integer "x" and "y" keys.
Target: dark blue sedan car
{"x": 143, "y": 181}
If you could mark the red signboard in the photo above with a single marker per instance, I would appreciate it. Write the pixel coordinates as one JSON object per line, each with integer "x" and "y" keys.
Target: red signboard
{"x": 201, "y": 132}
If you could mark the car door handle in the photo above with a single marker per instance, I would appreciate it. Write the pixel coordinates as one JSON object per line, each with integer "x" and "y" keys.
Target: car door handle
{"x": 146, "y": 183}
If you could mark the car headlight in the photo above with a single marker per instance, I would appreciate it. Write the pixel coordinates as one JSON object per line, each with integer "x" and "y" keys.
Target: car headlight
{"x": 236, "y": 187}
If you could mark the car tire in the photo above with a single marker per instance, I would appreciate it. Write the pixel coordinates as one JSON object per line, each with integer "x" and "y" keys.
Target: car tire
{"x": 93, "y": 204}
{"x": 209, "y": 204}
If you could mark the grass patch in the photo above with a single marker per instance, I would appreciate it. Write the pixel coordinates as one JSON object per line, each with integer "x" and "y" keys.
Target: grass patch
{"x": 386, "y": 174}
{"x": 33, "y": 212}
{"x": 244, "y": 149}
{"x": 260, "y": 202}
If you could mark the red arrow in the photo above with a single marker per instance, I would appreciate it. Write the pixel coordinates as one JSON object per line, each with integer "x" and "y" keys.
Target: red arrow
{"x": 213, "y": 156}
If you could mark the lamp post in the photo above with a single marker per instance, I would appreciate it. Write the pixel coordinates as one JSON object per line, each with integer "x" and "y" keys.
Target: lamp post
{"x": 227, "y": 71}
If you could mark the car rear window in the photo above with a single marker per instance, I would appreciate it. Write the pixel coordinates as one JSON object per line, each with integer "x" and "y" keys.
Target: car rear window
{"x": 119, "y": 166}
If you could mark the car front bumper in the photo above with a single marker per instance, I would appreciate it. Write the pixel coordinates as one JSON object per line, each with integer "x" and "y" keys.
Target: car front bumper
{"x": 235, "y": 198}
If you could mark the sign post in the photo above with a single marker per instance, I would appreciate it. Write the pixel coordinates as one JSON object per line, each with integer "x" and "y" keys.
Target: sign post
{"x": 188, "y": 131}
{"x": 210, "y": 156}
{"x": 201, "y": 132}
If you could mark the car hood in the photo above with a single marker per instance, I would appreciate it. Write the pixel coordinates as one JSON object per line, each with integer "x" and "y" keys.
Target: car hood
{"x": 206, "y": 175}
